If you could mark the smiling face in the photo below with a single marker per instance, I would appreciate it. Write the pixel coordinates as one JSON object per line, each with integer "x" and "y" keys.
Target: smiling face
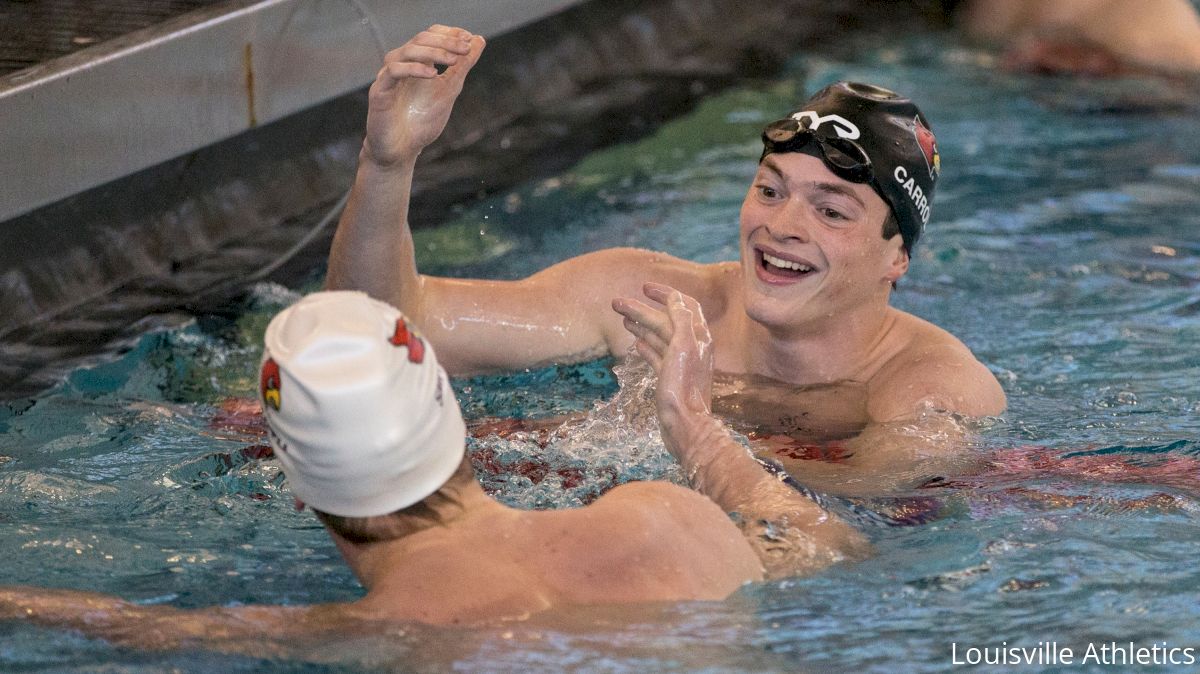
{"x": 812, "y": 244}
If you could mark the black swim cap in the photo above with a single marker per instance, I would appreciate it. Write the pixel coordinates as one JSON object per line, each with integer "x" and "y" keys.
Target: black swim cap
{"x": 868, "y": 134}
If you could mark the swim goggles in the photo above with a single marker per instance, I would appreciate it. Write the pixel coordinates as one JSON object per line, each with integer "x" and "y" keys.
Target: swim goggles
{"x": 845, "y": 158}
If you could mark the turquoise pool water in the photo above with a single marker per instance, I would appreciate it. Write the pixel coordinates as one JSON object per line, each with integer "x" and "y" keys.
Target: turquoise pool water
{"x": 1063, "y": 250}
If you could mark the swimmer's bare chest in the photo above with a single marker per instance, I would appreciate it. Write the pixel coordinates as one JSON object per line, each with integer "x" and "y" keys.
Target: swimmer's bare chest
{"x": 815, "y": 413}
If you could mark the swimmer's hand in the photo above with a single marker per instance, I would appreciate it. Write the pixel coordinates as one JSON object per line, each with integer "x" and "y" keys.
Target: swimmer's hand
{"x": 409, "y": 103}
{"x": 790, "y": 533}
{"x": 673, "y": 337}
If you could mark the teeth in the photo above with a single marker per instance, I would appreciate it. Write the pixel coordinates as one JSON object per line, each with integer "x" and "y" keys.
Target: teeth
{"x": 786, "y": 264}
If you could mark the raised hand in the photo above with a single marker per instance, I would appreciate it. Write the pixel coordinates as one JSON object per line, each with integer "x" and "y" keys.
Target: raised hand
{"x": 790, "y": 533}
{"x": 410, "y": 102}
{"x": 673, "y": 337}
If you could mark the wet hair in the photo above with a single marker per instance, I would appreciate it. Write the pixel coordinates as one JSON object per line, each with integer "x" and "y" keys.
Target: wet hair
{"x": 434, "y": 510}
{"x": 891, "y": 227}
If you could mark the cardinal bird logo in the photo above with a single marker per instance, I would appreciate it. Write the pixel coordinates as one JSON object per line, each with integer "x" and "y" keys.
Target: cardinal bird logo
{"x": 928, "y": 145}
{"x": 409, "y": 338}
{"x": 270, "y": 383}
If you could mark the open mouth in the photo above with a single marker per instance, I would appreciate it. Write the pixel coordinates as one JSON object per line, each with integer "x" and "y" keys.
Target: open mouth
{"x": 776, "y": 267}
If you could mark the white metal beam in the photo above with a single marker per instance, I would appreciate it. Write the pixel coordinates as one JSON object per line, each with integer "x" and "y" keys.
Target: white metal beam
{"x": 111, "y": 110}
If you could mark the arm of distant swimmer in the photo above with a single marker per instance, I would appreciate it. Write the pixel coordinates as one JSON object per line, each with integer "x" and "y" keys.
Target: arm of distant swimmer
{"x": 242, "y": 629}
{"x": 791, "y": 533}
{"x": 1160, "y": 34}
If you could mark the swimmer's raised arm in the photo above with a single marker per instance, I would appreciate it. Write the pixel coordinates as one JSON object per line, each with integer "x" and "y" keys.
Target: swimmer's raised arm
{"x": 557, "y": 315}
{"x": 408, "y": 106}
{"x": 791, "y": 533}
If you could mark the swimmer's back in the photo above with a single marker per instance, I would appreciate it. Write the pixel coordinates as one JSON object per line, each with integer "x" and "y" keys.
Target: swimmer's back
{"x": 650, "y": 541}
{"x": 641, "y": 542}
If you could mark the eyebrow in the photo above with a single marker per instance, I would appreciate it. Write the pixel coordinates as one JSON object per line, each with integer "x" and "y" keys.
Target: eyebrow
{"x": 830, "y": 188}
{"x": 820, "y": 186}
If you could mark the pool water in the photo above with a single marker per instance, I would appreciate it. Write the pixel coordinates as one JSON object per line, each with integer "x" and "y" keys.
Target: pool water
{"x": 1064, "y": 250}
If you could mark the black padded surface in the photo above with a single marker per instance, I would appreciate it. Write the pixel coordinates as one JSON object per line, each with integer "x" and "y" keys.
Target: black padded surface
{"x": 36, "y": 31}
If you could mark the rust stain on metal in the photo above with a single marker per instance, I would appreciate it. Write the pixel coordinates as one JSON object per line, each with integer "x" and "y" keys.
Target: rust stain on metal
{"x": 248, "y": 67}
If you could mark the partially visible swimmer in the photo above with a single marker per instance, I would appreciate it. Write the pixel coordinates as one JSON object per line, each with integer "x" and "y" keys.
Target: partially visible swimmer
{"x": 1088, "y": 37}
{"x": 805, "y": 342}
{"x": 368, "y": 432}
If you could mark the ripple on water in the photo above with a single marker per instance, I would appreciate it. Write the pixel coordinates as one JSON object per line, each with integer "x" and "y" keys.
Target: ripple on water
{"x": 41, "y": 490}
{"x": 243, "y": 472}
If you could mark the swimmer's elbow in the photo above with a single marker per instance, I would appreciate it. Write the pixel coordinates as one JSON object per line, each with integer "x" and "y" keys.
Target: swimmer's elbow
{"x": 843, "y": 543}
{"x": 788, "y": 552}
{"x": 853, "y": 546}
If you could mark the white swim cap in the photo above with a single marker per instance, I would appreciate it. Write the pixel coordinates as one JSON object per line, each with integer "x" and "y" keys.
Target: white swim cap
{"x": 359, "y": 412}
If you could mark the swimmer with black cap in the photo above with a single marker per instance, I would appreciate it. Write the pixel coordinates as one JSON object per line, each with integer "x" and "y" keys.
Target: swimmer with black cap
{"x": 368, "y": 432}
{"x": 806, "y": 345}
{"x": 877, "y": 150}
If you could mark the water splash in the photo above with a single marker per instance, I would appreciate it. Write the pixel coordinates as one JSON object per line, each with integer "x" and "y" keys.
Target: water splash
{"x": 622, "y": 430}
{"x": 617, "y": 441}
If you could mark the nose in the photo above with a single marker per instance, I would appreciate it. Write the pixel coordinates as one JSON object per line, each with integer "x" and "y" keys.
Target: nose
{"x": 789, "y": 222}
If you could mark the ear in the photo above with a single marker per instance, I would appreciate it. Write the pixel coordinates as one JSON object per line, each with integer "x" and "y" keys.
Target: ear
{"x": 898, "y": 264}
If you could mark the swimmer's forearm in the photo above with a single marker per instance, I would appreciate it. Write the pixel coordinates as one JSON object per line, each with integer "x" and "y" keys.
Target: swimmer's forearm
{"x": 714, "y": 463}
{"x": 240, "y": 629}
{"x": 92, "y": 613}
{"x": 47, "y": 606}
{"x": 373, "y": 248}
{"x": 722, "y": 469}
{"x": 790, "y": 532}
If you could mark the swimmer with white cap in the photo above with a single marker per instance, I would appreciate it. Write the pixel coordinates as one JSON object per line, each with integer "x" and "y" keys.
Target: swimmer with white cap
{"x": 369, "y": 434}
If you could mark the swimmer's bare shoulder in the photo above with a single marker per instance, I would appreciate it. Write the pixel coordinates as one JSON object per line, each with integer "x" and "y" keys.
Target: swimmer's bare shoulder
{"x": 464, "y": 582}
{"x": 929, "y": 368}
{"x": 669, "y": 541}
